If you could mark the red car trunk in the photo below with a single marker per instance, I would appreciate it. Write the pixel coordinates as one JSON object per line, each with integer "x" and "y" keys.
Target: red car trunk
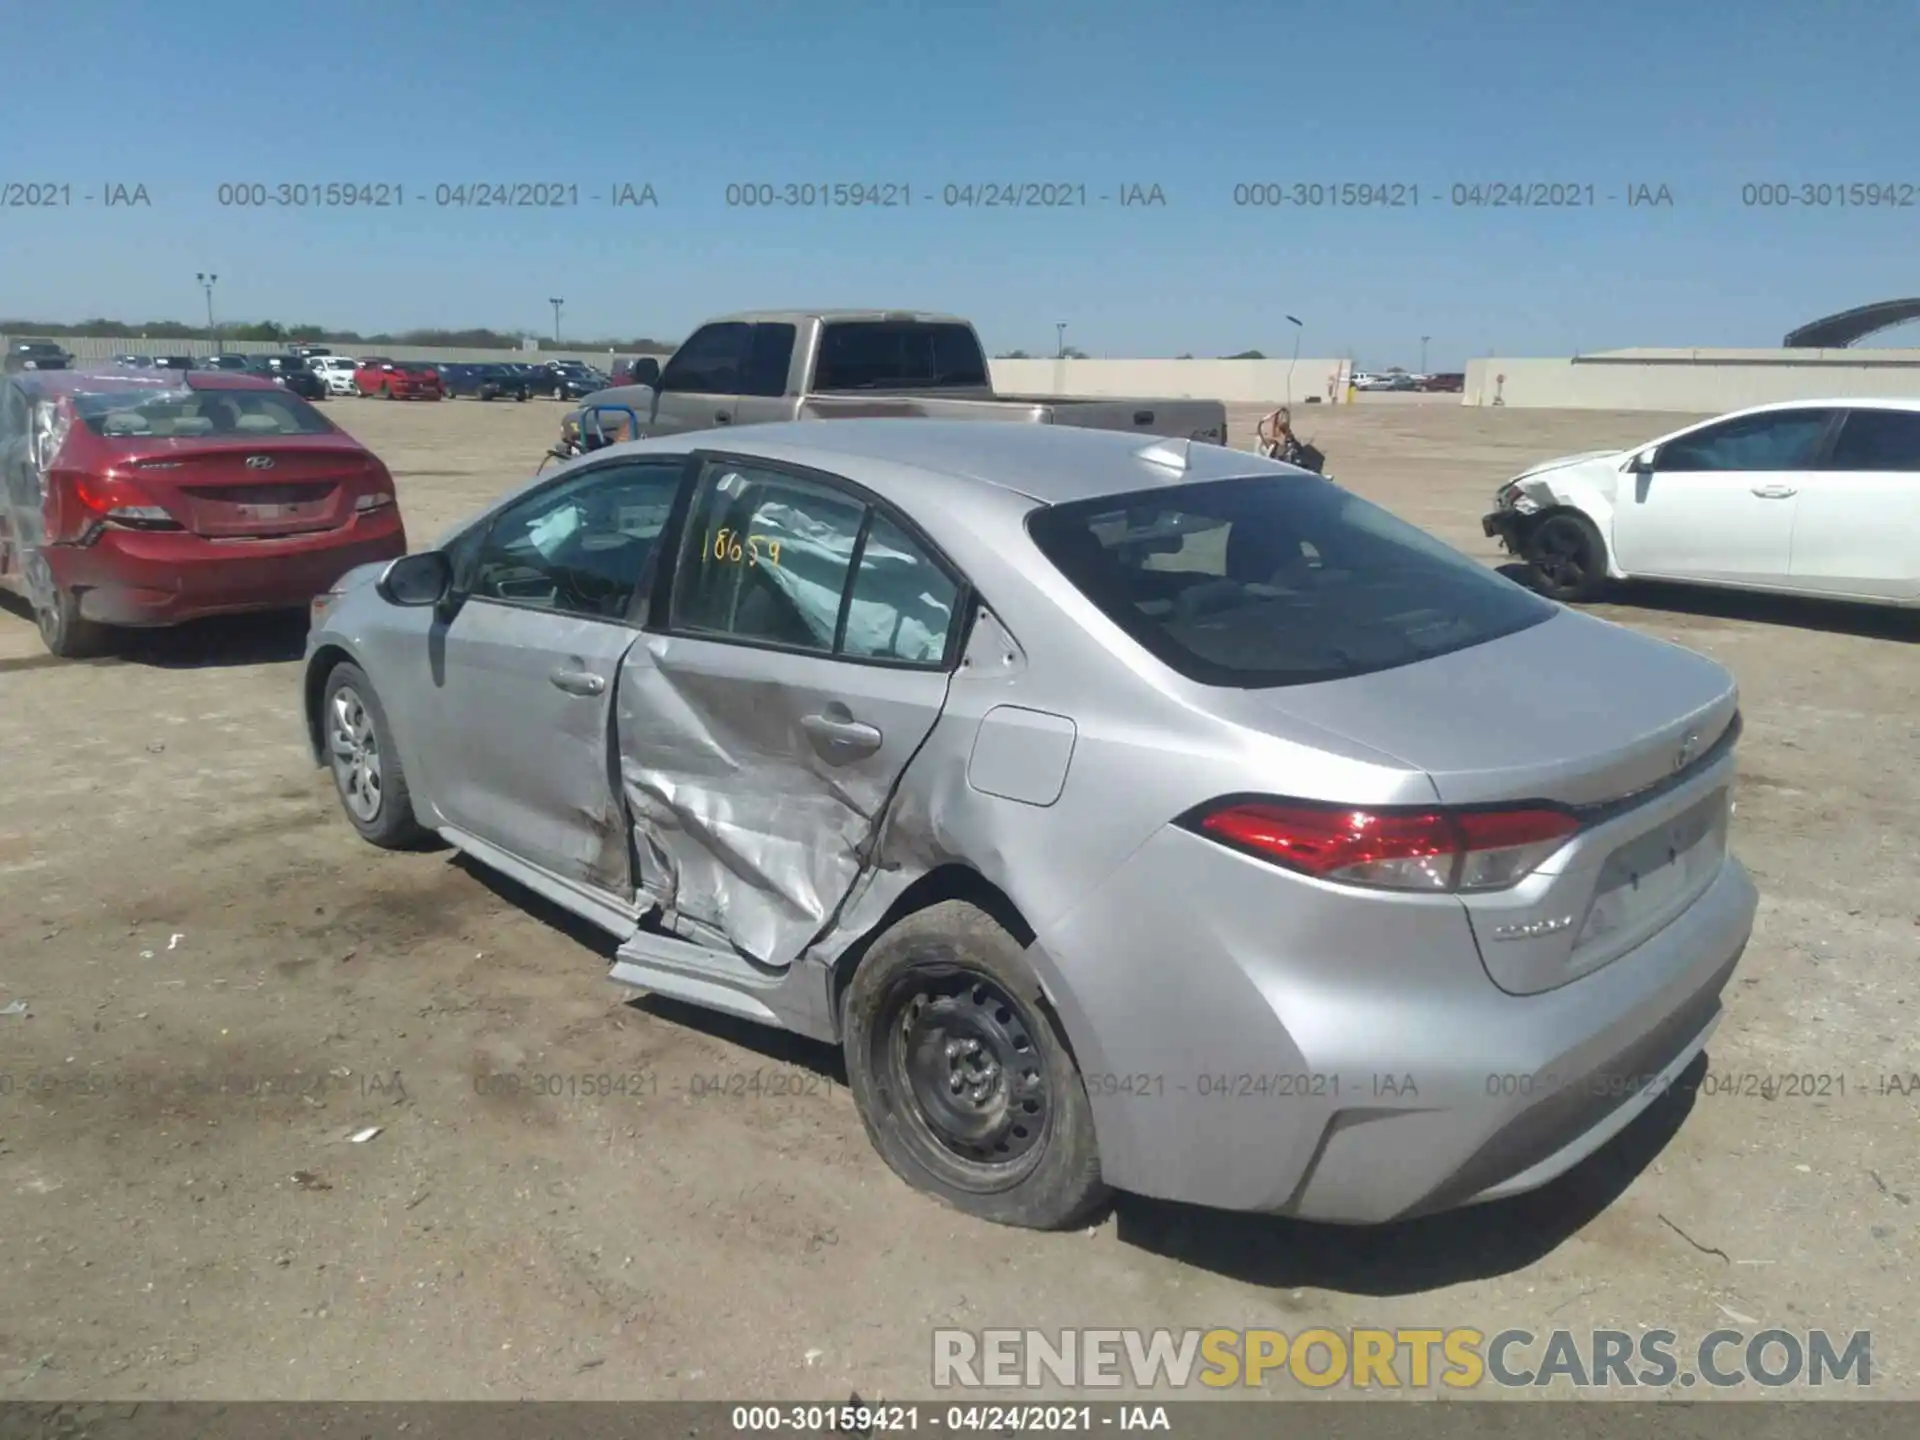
{"x": 231, "y": 488}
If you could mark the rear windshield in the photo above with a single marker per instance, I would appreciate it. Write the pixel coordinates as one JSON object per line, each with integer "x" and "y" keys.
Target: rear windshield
{"x": 162, "y": 414}
{"x": 1277, "y": 580}
{"x": 897, "y": 354}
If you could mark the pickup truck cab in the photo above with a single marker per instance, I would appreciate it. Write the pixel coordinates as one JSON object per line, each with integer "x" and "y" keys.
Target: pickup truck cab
{"x": 768, "y": 366}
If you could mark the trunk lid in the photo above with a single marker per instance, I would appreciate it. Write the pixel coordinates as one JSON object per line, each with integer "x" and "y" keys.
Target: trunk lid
{"x": 255, "y": 488}
{"x": 1634, "y": 734}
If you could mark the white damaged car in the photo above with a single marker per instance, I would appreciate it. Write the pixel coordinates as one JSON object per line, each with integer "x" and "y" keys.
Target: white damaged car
{"x": 1808, "y": 497}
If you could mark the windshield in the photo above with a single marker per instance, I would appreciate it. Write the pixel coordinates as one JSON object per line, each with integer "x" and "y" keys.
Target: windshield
{"x": 1277, "y": 580}
{"x": 166, "y": 413}
{"x": 898, "y": 354}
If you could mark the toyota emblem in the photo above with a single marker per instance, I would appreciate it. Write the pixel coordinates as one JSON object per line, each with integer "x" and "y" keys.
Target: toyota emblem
{"x": 259, "y": 462}
{"x": 1685, "y": 752}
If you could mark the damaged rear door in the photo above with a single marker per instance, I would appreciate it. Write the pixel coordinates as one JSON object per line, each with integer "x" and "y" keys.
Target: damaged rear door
{"x": 521, "y": 757}
{"x": 764, "y": 722}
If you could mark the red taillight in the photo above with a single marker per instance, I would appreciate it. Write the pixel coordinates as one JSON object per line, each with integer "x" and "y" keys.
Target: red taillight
{"x": 99, "y": 502}
{"x": 1444, "y": 850}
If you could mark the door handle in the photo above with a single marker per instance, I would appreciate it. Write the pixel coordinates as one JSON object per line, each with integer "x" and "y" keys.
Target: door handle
{"x": 578, "y": 682}
{"x": 838, "y": 736}
{"x": 722, "y": 417}
{"x": 1775, "y": 492}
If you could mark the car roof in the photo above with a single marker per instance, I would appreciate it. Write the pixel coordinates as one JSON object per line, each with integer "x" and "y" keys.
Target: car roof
{"x": 1052, "y": 464}
{"x": 794, "y": 317}
{"x": 68, "y": 382}
{"x": 1860, "y": 402}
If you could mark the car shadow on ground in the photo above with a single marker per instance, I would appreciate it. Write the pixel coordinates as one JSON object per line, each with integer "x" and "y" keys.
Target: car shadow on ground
{"x": 1836, "y": 617}
{"x": 267, "y": 639}
{"x": 1404, "y": 1258}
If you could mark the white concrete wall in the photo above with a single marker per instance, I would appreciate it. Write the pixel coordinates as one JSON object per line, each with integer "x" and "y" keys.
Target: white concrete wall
{"x": 1263, "y": 382}
{"x": 1693, "y": 381}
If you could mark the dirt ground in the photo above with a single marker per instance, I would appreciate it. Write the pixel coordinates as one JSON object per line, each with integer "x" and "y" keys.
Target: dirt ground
{"x": 224, "y": 983}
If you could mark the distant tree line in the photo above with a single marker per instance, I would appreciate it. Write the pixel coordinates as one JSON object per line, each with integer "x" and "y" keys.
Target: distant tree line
{"x": 273, "y": 330}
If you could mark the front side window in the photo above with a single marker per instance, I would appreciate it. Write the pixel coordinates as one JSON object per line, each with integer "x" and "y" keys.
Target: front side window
{"x": 1276, "y": 580}
{"x": 710, "y": 362}
{"x": 1777, "y": 440}
{"x": 578, "y": 547}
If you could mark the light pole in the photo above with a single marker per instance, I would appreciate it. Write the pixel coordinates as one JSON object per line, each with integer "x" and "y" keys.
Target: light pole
{"x": 556, "y": 304}
{"x": 1059, "y": 339}
{"x": 207, "y": 280}
{"x": 1423, "y": 353}
{"x": 1297, "y": 328}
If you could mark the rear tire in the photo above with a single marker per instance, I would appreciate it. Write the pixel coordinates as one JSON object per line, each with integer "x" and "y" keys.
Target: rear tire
{"x": 365, "y": 766}
{"x": 1567, "y": 557}
{"x": 66, "y": 633}
{"x": 962, "y": 1077}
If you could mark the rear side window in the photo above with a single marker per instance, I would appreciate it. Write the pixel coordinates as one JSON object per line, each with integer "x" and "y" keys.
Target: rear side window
{"x": 1774, "y": 440}
{"x": 1878, "y": 440}
{"x": 766, "y": 558}
{"x": 1277, "y": 580}
{"x": 797, "y": 563}
{"x": 896, "y": 354}
{"x": 161, "y": 413}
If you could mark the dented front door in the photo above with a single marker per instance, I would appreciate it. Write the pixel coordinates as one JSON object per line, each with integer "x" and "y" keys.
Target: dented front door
{"x": 527, "y": 700}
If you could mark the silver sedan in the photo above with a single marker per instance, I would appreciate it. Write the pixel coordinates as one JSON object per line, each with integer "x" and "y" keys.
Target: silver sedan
{"x": 1150, "y": 816}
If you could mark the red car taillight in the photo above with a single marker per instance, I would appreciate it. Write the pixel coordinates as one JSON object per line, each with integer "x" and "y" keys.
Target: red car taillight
{"x": 1436, "y": 850}
{"x": 97, "y": 503}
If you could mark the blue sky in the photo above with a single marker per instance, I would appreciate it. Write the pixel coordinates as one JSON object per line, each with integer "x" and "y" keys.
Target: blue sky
{"x": 1195, "y": 98}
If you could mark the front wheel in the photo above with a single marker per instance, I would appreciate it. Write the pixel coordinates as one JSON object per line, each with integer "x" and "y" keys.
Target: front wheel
{"x": 1567, "y": 557}
{"x": 366, "y": 767}
{"x": 962, "y": 1077}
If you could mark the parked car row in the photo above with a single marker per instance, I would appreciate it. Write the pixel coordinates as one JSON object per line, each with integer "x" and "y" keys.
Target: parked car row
{"x": 1448, "y": 382}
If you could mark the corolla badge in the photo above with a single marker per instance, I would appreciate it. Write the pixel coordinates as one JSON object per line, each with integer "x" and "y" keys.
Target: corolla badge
{"x": 1533, "y": 929}
{"x": 1684, "y": 755}
{"x": 259, "y": 462}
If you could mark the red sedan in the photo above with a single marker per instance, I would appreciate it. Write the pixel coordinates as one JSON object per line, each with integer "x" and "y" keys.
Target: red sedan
{"x": 143, "y": 500}
{"x": 379, "y": 378}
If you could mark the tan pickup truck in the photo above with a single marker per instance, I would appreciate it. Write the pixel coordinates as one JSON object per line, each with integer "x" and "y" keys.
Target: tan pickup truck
{"x": 752, "y": 369}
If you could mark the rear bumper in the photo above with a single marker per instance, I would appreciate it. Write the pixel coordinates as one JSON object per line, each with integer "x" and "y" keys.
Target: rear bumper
{"x": 136, "y": 578}
{"x": 1297, "y": 1051}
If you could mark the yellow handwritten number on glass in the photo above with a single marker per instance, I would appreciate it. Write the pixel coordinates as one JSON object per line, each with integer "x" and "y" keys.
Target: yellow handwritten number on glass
{"x": 733, "y": 548}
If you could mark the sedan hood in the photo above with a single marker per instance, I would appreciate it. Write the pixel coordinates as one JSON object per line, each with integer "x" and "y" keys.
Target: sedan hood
{"x": 1573, "y": 709}
{"x": 1565, "y": 460}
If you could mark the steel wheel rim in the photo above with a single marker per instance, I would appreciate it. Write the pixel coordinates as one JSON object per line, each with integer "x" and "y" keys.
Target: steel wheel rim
{"x": 962, "y": 1055}
{"x": 355, "y": 751}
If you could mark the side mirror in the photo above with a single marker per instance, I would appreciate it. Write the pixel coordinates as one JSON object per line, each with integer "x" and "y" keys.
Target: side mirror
{"x": 416, "y": 580}
{"x": 645, "y": 372}
{"x": 1642, "y": 463}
